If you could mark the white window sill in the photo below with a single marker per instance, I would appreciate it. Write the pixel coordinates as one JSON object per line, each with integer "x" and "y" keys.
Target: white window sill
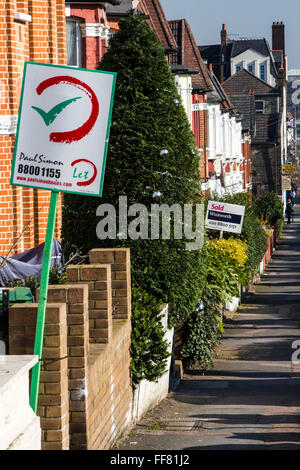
{"x": 22, "y": 17}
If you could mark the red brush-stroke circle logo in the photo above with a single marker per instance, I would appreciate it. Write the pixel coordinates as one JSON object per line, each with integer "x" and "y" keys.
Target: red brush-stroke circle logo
{"x": 77, "y": 134}
{"x": 92, "y": 179}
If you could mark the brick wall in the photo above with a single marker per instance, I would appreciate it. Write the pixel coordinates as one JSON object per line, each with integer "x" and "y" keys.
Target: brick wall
{"x": 39, "y": 36}
{"x": 94, "y": 44}
{"x": 264, "y": 171}
{"x": 85, "y": 394}
{"x": 109, "y": 402}
{"x": 119, "y": 261}
{"x": 53, "y": 401}
{"x": 98, "y": 279}
{"x": 200, "y": 131}
{"x": 246, "y": 151}
{"x": 76, "y": 301}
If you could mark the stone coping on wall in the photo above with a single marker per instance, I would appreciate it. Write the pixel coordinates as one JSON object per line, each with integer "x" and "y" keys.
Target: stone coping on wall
{"x": 11, "y": 367}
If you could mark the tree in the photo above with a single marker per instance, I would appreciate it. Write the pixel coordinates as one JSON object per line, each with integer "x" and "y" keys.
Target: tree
{"x": 152, "y": 158}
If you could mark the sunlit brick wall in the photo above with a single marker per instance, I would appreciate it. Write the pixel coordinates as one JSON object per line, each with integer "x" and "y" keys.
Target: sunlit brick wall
{"x": 29, "y": 30}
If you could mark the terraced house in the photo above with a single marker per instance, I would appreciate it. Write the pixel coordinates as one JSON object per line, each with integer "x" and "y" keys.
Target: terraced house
{"x": 46, "y": 31}
{"x": 224, "y": 150}
{"x": 215, "y": 123}
{"x": 29, "y": 30}
{"x": 253, "y": 74}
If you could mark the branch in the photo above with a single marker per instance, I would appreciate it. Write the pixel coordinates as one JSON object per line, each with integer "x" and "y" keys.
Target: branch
{"x": 15, "y": 243}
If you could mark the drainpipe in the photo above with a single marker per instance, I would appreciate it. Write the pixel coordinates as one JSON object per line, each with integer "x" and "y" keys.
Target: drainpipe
{"x": 276, "y": 169}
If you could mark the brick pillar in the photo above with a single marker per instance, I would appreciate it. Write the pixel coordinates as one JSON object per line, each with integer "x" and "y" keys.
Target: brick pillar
{"x": 76, "y": 299}
{"x": 98, "y": 278}
{"x": 53, "y": 401}
{"x": 119, "y": 260}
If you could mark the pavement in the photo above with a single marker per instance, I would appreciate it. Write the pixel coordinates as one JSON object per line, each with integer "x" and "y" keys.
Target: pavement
{"x": 250, "y": 400}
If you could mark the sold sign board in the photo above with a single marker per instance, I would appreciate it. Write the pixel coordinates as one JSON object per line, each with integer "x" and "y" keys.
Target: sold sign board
{"x": 225, "y": 217}
{"x": 63, "y": 129}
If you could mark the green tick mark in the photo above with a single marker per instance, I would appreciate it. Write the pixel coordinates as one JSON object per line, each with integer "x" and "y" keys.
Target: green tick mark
{"x": 54, "y": 112}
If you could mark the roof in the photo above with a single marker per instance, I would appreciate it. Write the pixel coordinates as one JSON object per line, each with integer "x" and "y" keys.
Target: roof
{"x": 155, "y": 17}
{"x": 182, "y": 69}
{"x": 158, "y": 22}
{"x": 121, "y": 9}
{"x": 241, "y": 45}
{"x": 244, "y": 81}
{"x": 188, "y": 54}
{"x": 245, "y": 104}
{"x": 112, "y": 2}
{"x": 212, "y": 54}
{"x": 226, "y": 104}
{"x": 259, "y": 45}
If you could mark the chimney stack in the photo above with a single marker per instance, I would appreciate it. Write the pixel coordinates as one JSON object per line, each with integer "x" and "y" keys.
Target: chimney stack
{"x": 278, "y": 36}
{"x": 223, "y": 36}
{"x": 223, "y": 51}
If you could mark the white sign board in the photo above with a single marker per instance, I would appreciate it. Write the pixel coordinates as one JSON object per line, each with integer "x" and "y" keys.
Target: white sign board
{"x": 63, "y": 129}
{"x": 286, "y": 183}
{"x": 226, "y": 217}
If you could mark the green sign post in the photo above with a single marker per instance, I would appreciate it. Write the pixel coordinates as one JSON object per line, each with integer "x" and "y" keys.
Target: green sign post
{"x": 61, "y": 146}
{"x": 40, "y": 323}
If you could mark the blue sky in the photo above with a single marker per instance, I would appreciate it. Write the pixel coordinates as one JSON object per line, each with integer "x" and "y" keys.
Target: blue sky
{"x": 252, "y": 18}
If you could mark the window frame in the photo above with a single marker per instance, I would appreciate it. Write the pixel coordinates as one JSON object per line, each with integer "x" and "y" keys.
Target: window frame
{"x": 262, "y": 74}
{"x": 260, "y": 111}
{"x": 78, "y": 40}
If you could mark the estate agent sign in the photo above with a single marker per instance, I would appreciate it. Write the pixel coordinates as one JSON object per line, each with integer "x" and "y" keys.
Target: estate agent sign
{"x": 63, "y": 129}
{"x": 61, "y": 145}
{"x": 225, "y": 217}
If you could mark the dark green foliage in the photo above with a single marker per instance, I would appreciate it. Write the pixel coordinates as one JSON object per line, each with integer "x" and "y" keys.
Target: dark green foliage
{"x": 252, "y": 233}
{"x": 31, "y": 282}
{"x": 202, "y": 333}
{"x": 149, "y": 350}
{"x": 222, "y": 277}
{"x": 257, "y": 241}
{"x": 269, "y": 208}
{"x": 56, "y": 276}
{"x": 147, "y": 118}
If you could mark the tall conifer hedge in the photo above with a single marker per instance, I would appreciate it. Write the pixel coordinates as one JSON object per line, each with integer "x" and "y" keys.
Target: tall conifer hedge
{"x": 152, "y": 159}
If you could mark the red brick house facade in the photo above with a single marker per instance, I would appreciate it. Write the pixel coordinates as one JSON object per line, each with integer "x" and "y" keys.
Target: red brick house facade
{"x": 189, "y": 57}
{"x": 87, "y": 32}
{"x": 29, "y": 30}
